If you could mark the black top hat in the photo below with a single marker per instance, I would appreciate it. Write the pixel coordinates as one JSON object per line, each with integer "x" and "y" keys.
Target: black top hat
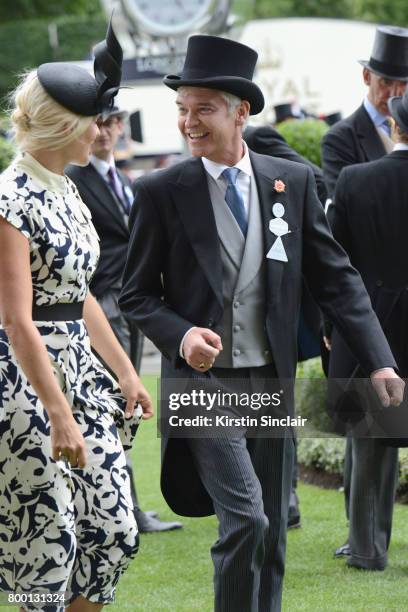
{"x": 77, "y": 90}
{"x": 398, "y": 107}
{"x": 219, "y": 63}
{"x": 389, "y": 57}
{"x": 285, "y": 111}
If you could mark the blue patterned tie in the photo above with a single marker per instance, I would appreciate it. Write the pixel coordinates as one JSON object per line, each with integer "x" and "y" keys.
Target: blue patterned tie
{"x": 234, "y": 199}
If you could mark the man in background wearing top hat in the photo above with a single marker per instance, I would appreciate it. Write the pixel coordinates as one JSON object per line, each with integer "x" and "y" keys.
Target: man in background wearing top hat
{"x": 108, "y": 194}
{"x": 364, "y": 136}
{"x": 207, "y": 283}
{"x": 371, "y": 221}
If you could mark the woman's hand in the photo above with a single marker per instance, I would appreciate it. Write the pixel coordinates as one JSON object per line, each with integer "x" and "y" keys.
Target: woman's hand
{"x": 67, "y": 441}
{"x": 135, "y": 393}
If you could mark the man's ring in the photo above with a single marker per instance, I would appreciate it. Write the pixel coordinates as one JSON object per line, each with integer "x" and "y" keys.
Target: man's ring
{"x": 202, "y": 365}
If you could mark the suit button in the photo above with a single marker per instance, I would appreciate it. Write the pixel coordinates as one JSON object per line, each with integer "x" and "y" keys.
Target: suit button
{"x": 237, "y": 304}
{"x": 237, "y": 328}
{"x": 236, "y": 352}
{"x": 379, "y": 283}
{"x": 210, "y": 323}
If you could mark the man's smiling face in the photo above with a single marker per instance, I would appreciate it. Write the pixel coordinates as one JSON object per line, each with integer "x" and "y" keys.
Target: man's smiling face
{"x": 210, "y": 127}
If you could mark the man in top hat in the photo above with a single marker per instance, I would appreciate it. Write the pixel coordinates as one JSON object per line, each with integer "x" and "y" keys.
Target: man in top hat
{"x": 210, "y": 283}
{"x": 371, "y": 221}
{"x": 365, "y": 136}
{"x": 108, "y": 194}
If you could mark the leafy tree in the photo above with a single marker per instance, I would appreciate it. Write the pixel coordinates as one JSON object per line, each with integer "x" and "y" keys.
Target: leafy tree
{"x": 303, "y": 8}
{"x": 393, "y": 12}
{"x": 18, "y": 10}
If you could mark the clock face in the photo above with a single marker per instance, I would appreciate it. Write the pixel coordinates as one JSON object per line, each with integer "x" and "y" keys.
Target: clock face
{"x": 167, "y": 17}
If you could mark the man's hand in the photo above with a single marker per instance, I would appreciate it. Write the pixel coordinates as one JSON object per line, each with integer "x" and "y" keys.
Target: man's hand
{"x": 388, "y": 386}
{"x": 200, "y": 348}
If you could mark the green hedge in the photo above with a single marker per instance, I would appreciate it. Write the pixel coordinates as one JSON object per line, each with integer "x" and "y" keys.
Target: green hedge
{"x": 311, "y": 390}
{"x": 7, "y": 153}
{"x": 25, "y": 44}
{"x": 327, "y": 454}
{"x": 304, "y": 136}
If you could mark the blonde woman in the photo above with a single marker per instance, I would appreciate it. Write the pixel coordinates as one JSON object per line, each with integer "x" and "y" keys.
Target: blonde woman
{"x": 67, "y": 529}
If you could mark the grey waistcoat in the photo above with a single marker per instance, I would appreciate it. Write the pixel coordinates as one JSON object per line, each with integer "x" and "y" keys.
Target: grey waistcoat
{"x": 242, "y": 328}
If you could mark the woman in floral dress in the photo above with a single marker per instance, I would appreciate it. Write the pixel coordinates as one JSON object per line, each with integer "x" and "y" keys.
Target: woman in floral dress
{"x": 67, "y": 528}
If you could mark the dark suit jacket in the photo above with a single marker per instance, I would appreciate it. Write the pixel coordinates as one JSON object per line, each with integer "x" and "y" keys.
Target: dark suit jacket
{"x": 267, "y": 141}
{"x": 370, "y": 220}
{"x": 109, "y": 224}
{"x": 173, "y": 280}
{"x": 351, "y": 141}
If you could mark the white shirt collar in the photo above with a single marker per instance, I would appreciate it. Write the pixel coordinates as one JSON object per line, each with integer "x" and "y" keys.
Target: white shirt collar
{"x": 400, "y": 146}
{"x": 101, "y": 165}
{"x": 215, "y": 169}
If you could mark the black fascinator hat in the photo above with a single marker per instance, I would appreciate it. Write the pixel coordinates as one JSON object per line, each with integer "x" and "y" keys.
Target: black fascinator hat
{"x": 77, "y": 90}
{"x": 220, "y": 63}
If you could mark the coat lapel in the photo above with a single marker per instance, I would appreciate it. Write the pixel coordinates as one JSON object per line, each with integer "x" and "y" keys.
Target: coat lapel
{"x": 103, "y": 195}
{"x": 192, "y": 199}
{"x": 265, "y": 180}
{"x": 370, "y": 140}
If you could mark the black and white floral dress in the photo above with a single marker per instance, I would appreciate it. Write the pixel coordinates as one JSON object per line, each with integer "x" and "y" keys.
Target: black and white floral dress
{"x": 62, "y": 530}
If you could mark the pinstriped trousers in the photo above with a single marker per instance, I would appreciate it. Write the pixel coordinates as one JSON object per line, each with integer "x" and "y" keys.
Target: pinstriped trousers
{"x": 249, "y": 482}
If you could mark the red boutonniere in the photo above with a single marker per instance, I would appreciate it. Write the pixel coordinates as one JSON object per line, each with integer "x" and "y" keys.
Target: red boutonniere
{"x": 279, "y": 186}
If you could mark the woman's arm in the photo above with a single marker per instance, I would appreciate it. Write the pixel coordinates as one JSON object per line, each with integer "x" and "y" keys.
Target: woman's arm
{"x": 108, "y": 347}
{"x": 15, "y": 315}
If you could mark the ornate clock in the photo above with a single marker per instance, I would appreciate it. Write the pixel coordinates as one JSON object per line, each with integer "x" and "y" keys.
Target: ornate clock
{"x": 169, "y": 17}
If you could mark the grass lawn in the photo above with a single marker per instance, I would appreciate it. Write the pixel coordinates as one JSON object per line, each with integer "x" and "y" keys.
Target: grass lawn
{"x": 173, "y": 571}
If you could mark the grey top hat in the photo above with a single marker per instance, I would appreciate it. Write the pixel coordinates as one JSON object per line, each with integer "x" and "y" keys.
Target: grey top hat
{"x": 398, "y": 107}
{"x": 389, "y": 57}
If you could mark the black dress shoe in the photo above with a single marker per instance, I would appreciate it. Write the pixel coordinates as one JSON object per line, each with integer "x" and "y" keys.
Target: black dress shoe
{"x": 378, "y": 566}
{"x": 294, "y": 522}
{"x": 149, "y": 524}
{"x": 342, "y": 551}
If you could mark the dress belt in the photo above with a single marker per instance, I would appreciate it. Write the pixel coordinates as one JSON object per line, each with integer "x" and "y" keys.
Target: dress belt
{"x": 58, "y": 312}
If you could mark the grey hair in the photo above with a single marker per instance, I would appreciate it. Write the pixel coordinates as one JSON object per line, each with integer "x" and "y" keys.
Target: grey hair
{"x": 231, "y": 100}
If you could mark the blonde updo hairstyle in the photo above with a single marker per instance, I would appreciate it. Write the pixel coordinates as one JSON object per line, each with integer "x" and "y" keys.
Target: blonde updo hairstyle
{"x": 39, "y": 122}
